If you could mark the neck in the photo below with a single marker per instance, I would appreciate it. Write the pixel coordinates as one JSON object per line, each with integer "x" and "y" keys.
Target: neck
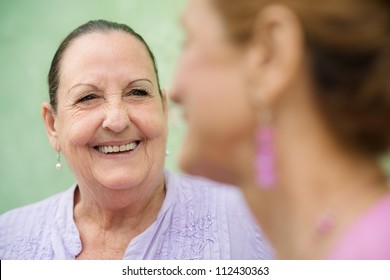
{"x": 106, "y": 229}
{"x": 315, "y": 176}
{"x": 125, "y": 210}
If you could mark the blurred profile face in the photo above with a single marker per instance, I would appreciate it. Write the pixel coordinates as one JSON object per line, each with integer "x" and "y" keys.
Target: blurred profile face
{"x": 111, "y": 122}
{"x": 211, "y": 86}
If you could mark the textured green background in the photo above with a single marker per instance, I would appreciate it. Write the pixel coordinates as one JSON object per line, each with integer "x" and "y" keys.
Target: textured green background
{"x": 30, "y": 32}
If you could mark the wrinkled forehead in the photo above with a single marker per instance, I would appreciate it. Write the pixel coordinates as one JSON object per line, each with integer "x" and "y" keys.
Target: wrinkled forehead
{"x": 106, "y": 53}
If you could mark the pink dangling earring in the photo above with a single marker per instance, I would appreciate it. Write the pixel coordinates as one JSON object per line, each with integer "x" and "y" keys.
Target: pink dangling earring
{"x": 265, "y": 157}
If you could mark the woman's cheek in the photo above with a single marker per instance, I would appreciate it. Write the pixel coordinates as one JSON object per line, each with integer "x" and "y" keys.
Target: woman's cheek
{"x": 151, "y": 124}
{"x": 80, "y": 127}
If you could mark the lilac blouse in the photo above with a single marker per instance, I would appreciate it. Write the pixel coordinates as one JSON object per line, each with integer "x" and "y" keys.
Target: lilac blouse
{"x": 199, "y": 219}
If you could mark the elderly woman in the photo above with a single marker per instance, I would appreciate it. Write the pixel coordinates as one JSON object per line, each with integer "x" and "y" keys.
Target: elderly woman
{"x": 290, "y": 100}
{"x": 108, "y": 117}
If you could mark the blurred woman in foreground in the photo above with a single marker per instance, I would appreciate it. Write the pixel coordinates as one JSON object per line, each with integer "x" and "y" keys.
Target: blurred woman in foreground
{"x": 290, "y": 100}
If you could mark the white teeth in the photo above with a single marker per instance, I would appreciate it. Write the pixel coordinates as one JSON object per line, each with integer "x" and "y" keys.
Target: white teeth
{"x": 115, "y": 149}
{"x": 132, "y": 145}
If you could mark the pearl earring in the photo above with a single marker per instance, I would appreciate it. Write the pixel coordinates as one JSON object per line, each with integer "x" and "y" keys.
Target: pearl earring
{"x": 58, "y": 165}
{"x": 167, "y": 152}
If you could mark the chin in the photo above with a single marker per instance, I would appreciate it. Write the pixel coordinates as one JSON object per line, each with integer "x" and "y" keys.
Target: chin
{"x": 120, "y": 180}
{"x": 199, "y": 163}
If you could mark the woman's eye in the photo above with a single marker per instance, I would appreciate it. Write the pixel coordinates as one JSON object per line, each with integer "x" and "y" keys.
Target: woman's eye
{"x": 139, "y": 92}
{"x": 86, "y": 98}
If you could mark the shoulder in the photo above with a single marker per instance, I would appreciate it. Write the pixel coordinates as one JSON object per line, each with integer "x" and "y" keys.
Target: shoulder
{"x": 220, "y": 211}
{"x": 205, "y": 194}
{"x": 34, "y": 212}
{"x": 25, "y": 228}
{"x": 230, "y": 198}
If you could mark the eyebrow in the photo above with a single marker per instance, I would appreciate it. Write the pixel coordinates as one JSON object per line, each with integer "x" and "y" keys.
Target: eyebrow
{"x": 140, "y": 80}
{"x": 81, "y": 84}
{"x": 95, "y": 87}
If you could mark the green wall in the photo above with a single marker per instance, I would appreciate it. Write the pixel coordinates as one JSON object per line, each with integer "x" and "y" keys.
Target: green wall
{"x": 30, "y": 32}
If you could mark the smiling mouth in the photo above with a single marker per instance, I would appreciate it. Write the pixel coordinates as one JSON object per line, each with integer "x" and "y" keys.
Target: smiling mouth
{"x": 118, "y": 149}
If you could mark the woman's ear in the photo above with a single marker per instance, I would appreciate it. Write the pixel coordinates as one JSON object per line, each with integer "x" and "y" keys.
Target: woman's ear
{"x": 275, "y": 54}
{"x": 49, "y": 118}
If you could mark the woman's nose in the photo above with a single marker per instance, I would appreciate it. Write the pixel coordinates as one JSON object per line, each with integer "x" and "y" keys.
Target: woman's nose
{"x": 175, "y": 93}
{"x": 116, "y": 118}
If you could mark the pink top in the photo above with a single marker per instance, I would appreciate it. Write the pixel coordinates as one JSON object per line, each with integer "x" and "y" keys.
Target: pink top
{"x": 368, "y": 238}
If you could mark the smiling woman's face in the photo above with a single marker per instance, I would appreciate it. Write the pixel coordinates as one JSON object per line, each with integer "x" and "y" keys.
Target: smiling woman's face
{"x": 111, "y": 122}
